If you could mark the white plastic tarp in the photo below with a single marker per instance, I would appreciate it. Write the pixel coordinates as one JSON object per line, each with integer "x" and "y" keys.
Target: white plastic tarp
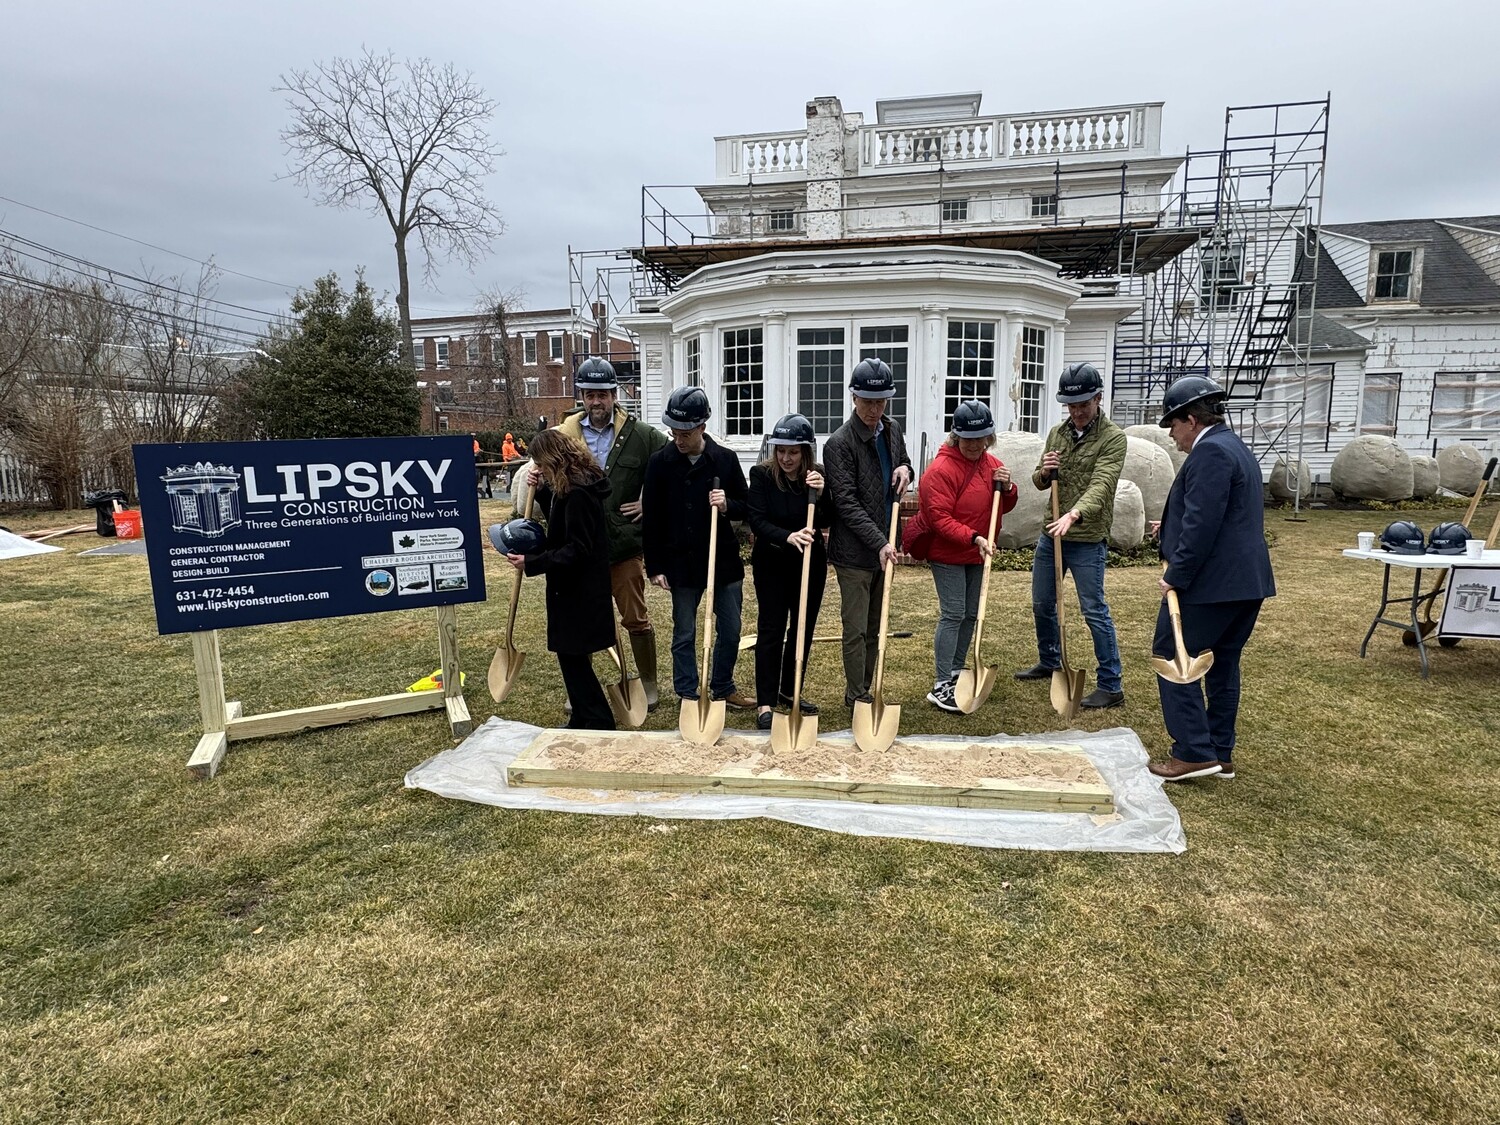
{"x": 1144, "y": 819}
{"x": 13, "y": 546}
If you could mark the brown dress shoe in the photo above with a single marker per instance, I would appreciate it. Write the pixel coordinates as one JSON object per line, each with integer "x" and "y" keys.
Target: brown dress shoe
{"x": 1175, "y": 769}
{"x": 740, "y": 701}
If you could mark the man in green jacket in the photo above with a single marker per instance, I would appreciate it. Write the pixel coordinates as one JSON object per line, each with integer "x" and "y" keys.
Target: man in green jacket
{"x": 1087, "y": 452}
{"x": 622, "y": 445}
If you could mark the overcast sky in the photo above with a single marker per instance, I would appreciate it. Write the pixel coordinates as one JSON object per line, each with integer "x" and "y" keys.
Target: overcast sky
{"x": 157, "y": 119}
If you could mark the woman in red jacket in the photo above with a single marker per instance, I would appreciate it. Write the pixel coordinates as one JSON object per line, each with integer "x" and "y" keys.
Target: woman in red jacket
{"x": 956, "y": 493}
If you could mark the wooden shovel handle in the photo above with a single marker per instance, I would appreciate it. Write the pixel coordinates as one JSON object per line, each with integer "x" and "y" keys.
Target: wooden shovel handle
{"x": 1174, "y": 610}
{"x": 885, "y": 605}
{"x": 515, "y": 589}
{"x": 984, "y": 589}
{"x": 705, "y": 672}
{"x": 807, "y": 553}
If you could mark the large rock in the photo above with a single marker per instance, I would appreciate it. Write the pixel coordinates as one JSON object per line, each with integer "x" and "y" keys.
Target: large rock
{"x": 1148, "y": 467}
{"x": 1129, "y": 526}
{"x": 1158, "y": 436}
{"x": 1425, "y": 477}
{"x": 1022, "y": 525}
{"x": 1281, "y": 480}
{"x": 1372, "y": 468}
{"x": 1460, "y": 468}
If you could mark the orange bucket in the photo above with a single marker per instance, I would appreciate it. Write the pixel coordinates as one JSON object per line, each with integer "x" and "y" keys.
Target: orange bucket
{"x": 127, "y": 524}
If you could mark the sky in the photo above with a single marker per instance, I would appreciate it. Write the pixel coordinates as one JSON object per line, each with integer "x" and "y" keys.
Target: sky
{"x": 157, "y": 119}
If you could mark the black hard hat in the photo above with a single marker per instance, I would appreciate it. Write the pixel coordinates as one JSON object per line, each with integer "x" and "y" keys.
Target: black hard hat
{"x": 872, "y": 378}
{"x": 687, "y": 407}
{"x": 792, "y": 429}
{"x": 1079, "y": 383}
{"x": 518, "y": 537}
{"x": 973, "y": 419}
{"x": 1448, "y": 539}
{"x": 1403, "y": 538}
{"x": 1184, "y": 392}
{"x": 595, "y": 374}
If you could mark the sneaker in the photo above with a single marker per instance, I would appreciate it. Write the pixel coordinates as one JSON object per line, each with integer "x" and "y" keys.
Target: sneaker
{"x": 763, "y": 721}
{"x": 1038, "y": 671}
{"x": 1226, "y": 771}
{"x": 803, "y": 705}
{"x": 1099, "y": 698}
{"x": 738, "y": 700}
{"x": 941, "y": 696}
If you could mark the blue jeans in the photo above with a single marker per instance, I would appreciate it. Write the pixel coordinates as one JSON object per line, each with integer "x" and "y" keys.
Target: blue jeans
{"x": 958, "y": 587}
{"x": 1085, "y": 561}
{"x": 685, "y": 601}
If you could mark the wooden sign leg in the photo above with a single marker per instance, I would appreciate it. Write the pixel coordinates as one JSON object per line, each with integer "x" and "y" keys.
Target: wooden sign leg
{"x": 453, "y": 690}
{"x": 216, "y": 712}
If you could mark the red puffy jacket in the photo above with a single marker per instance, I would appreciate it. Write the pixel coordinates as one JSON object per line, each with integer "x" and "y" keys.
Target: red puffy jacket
{"x": 955, "y": 498}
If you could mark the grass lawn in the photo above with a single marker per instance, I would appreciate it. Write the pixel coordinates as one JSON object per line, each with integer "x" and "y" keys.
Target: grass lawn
{"x": 304, "y": 940}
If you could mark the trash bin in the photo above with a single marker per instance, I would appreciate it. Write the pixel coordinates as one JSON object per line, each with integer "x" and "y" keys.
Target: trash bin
{"x": 103, "y": 502}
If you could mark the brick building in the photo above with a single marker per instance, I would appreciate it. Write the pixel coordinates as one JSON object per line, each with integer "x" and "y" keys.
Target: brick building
{"x": 481, "y": 373}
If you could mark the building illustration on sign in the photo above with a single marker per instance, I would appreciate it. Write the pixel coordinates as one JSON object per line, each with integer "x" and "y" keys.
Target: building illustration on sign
{"x": 204, "y": 498}
{"x": 1470, "y": 597}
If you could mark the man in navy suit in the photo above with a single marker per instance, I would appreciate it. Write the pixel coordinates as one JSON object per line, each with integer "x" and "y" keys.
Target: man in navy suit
{"x": 1213, "y": 539}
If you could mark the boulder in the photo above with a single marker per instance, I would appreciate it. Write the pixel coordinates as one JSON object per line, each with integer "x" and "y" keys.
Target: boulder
{"x": 1425, "y": 477}
{"x": 1459, "y": 468}
{"x": 1372, "y": 468}
{"x": 1158, "y": 436}
{"x": 1129, "y": 526}
{"x": 1281, "y": 480}
{"x": 1148, "y": 467}
{"x": 1022, "y": 525}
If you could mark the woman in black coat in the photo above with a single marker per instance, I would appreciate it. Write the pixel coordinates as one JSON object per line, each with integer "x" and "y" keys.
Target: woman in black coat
{"x": 580, "y": 611}
{"x": 778, "y": 516}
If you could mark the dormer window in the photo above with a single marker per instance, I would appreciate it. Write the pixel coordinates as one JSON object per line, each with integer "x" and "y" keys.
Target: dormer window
{"x": 1393, "y": 270}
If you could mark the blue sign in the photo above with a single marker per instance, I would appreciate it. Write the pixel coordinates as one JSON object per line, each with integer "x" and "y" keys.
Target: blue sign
{"x": 252, "y": 532}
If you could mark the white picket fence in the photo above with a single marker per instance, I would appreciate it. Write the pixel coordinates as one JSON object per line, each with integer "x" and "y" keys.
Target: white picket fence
{"x": 17, "y": 484}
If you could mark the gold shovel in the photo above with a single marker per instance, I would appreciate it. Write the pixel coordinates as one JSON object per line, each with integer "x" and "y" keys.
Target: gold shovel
{"x": 876, "y": 723}
{"x": 1067, "y": 682}
{"x": 701, "y": 720}
{"x": 627, "y": 699}
{"x": 792, "y": 731}
{"x": 973, "y": 687}
{"x": 507, "y": 661}
{"x": 1182, "y": 669}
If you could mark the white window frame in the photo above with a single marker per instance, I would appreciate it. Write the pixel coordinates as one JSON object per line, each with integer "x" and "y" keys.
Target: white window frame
{"x": 533, "y": 386}
{"x": 1412, "y": 276}
{"x": 419, "y": 354}
{"x": 899, "y": 406}
{"x": 1284, "y": 391}
{"x": 955, "y": 210}
{"x": 969, "y": 376}
{"x": 1033, "y": 344}
{"x": 828, "y": 393}
{"x": 442, "y": 353}
{"x": 692, "y": 361}
{"x": 1380, "y": 384}
{"x": 1044, "y": 204}
{"x": 471, "y": 351}
{"x": 1469, "y": 418}
{"x": 555, "y": 348}
{"x": 740, "y": 422}
{"x": 528, "y": 351}
{"x": 781, "y": 220}
{"x": 1218, "y": 288}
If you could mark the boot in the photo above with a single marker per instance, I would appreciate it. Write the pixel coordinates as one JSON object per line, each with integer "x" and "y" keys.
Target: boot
{"x": 643, "y": 649}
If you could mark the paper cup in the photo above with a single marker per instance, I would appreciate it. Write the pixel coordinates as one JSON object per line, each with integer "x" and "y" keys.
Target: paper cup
{"x": 1474, "y": 548}
{"x": 1366, "y": 540}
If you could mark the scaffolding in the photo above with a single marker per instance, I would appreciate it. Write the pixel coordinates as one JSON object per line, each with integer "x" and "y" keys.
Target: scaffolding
{"x": 1241, "y": 305}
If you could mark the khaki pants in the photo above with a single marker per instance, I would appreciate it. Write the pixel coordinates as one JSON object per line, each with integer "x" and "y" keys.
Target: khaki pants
{"x": 627, "y": 582}
{"x": 860, "y": 595}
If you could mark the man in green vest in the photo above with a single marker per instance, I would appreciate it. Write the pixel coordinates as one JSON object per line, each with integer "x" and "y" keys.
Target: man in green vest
{"x": 1087, "y": 452}
{"x": 621, "y": 445}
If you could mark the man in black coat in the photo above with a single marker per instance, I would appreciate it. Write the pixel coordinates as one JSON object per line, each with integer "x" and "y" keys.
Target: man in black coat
{"x": 1212, "y": 534}
{"x": 868, "y": 470}
{"x": 675, "y": 523}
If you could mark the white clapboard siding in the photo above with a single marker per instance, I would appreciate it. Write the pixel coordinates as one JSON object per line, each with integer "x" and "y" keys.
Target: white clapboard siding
{"x": 1351, "y": 255}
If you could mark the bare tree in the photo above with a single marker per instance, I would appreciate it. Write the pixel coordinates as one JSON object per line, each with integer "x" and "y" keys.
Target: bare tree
{"x": 492, "y": 387}
{"x": 409, "y": 140}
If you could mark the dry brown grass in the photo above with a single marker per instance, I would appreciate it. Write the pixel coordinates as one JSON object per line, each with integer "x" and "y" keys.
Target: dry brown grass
{"x": 303, "y": 939}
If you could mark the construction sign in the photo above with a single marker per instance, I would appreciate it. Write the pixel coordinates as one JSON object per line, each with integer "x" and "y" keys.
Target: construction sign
{"x": 249, "y": 533}
{"x": 1471, "y": 607}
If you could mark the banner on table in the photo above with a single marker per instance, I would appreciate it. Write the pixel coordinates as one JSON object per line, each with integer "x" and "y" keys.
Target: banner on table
{"x": 1472, "y": 605}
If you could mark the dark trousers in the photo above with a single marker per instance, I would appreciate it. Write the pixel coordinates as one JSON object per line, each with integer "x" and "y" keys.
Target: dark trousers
{"x": 590, "y": 708}
{"x": 1202, "y": 729}
{"x": 778, "y": 587}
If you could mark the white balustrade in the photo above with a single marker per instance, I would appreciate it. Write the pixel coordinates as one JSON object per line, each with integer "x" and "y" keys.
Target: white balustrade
{"x": 952, "y": 144}
{"x": 1064, "y": 135}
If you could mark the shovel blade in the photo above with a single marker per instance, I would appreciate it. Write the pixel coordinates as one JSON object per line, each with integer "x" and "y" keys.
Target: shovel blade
{"x": 1409, "y": 638}
{"x": 701, "y": 721}
{"x": 504, "y": 667}
{"x": 876, "y": 725}
{"x": 1067, "y": 691}
{"x": 1179, "y": 671}
{"x": 628, "y": 702}
{"x": 973, "y": 688}
{"x": 793, "y": 731}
